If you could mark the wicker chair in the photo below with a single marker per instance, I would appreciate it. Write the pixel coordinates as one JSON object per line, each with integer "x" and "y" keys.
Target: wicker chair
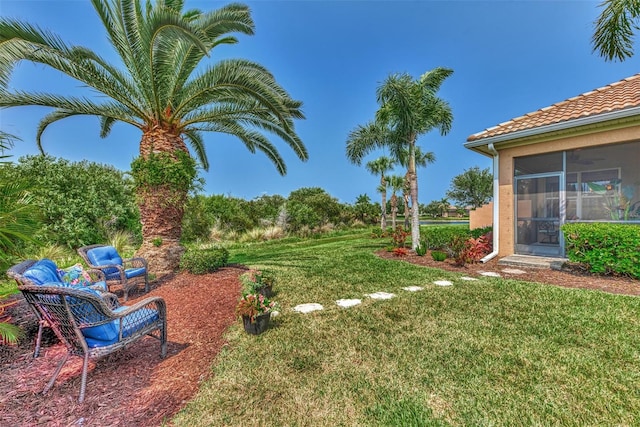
{"x": 128, "y": 273}
{"x": 45, "y": 271}
{"x": 89, "y": 328}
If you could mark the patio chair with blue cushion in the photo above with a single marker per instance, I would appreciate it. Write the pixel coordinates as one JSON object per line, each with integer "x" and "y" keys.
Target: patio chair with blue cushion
{"x": 128, "y": 273}
{"x": 89, "y": 327}
{"x": 45, "y": 271}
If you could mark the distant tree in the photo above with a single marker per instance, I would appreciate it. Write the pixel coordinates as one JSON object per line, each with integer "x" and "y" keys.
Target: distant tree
{"x": 396, "y": 183}
{"x": 432, "y": 209}
{"x": 312, "y": 207}
{"x": 364, "y": 210}
{"x": 614, "y": 29}
{"x": 381, "y": 166}
{"x": 473, "y": 187}
{"x": 443, "y": 206}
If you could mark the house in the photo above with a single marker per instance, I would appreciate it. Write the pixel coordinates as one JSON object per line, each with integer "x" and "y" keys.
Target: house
{"x": 577, "y": 160}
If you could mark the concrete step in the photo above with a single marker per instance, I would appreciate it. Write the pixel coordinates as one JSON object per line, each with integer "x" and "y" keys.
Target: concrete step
{"x": 531, "y": 261}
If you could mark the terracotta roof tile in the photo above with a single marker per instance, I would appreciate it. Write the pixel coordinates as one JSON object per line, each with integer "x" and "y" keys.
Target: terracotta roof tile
{"x": 616, "y": 96}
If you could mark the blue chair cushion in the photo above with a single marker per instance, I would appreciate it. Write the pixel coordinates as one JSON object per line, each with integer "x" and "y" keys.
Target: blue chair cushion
{"x": 43, "y": 271}
{"x": 105, "y": 255}
{"x": 135, "y": 272}
{"x": 107, "y": 334}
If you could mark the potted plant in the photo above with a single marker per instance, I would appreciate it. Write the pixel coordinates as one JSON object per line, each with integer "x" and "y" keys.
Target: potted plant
{"x": 258, "y": 282}
{"x": 255, "y": 310}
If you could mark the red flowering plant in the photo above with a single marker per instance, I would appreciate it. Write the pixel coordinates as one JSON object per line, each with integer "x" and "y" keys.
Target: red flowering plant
{"x": 253, "y": 305}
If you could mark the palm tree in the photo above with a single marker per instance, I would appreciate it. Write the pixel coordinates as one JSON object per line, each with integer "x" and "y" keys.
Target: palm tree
{"x": 381, "y": 166}
{"x": 614, "y": 29}
{"x": 422, "y": 159}
{"x": 160, "y": 92}
{"x": 411, "y": 108}
{"x": 443, "y": 206}
{"x": 396, "y": 183}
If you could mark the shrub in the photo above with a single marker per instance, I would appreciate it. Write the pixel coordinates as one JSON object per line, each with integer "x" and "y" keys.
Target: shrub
{"x": 604, "y": 248}
{"x": 399, "y": 237}
{"x": 476, "y": 249}
{"x": 202, "y": 261}
{"x": 399, "y": 252}
{"x": 421, "y": 250}
{"x": 457, "y": 249}
{"x": 441, "y": 237}
{"x": 438, "y": 255}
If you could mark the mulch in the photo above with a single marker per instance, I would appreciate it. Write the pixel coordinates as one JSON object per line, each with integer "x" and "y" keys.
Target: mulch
{"x": 134, "y": 387}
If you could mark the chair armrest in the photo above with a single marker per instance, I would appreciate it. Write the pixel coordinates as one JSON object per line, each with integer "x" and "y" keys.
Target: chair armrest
{"x": 135, "y": 262}
{"x": 96, "y": 274}
{"x": 110, "y": 299}
{"x": 159, "y": 303}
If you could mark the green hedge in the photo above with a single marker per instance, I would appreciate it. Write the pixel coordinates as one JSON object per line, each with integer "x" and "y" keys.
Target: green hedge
{"x": 604, "y": 248}
{"x": 441, "y": 236}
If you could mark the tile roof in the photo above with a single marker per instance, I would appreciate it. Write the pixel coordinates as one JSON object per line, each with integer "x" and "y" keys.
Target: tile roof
{"x": 613, "y": 97}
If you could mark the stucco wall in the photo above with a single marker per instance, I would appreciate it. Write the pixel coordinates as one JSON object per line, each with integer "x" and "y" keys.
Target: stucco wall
{"x": 481, "y": 217}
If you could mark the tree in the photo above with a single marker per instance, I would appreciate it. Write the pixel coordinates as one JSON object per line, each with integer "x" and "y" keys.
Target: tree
{"x": 443, "y": 206}
{"x": 396, "y": 183}
{"x": 381, "y": 166}
{"x": 364, "y": 210}
{"x": 473, "y": 187}
{"x": 614, "y": 29}
{"x": 421, "y": 159}
{"x": 408, "y": 108}
{"x": 165, "y": 92}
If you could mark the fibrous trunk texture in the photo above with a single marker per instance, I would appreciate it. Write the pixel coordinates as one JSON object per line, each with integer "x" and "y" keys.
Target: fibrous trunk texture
{"x": 161, "y": 209}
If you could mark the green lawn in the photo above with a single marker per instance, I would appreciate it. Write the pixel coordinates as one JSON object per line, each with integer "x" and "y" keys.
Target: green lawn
{"x": 490, "y": 352}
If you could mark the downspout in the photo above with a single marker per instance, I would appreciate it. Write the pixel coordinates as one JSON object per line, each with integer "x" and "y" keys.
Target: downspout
{"x": 496, "y": 210}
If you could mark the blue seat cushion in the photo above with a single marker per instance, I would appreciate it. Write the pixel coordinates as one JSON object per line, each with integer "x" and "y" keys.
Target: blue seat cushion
{"x": 107, "y": 334}
{"x": 105, "y": 255}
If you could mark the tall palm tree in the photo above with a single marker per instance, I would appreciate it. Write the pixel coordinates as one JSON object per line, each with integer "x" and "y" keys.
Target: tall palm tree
{"x": 381, "y": 166}
{"x": 411, "y": 108}
{"x": 396, "y": 183}
{"x": 422, "y": 159}
{"x": 614, "y": 29}
{"x": 159, "y": 91}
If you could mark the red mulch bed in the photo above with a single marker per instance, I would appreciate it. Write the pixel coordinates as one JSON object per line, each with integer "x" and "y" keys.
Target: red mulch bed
{"x": 134, "y": 387}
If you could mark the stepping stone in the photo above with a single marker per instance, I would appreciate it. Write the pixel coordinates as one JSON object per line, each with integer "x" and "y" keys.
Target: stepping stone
{"x": 470, "y": 279}
{"x": 381, "y": 295}
{"x": 413, "y": 288}
{"x": 308, "y": 308}
{"x": 443, "y": 283}
{"x": 513, "y": 271}
{"x": 489, "y": 274}
{"x": 348, "y": 302}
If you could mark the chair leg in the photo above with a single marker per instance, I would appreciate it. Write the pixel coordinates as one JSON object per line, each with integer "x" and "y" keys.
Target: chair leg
{"x": 83, "y": 384}
{"x": 36, "y": 352}
{"x": 56, "y": 373}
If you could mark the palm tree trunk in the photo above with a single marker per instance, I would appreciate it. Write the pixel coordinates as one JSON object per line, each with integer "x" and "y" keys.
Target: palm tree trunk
{"x": 394, "y": 210}
{"x": 161, "y": 208}
{"x": 413, "y": 176}
{"x": 383, "y": 218}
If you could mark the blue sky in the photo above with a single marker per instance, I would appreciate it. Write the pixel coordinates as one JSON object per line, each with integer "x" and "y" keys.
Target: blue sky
{"x": 509, "y": 58}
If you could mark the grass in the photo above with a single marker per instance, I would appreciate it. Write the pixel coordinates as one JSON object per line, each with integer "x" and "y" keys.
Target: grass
{"x": 490, "y": 352}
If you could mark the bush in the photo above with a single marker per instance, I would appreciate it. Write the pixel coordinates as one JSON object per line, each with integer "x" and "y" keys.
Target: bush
{"x": 421, "y": 250}
{"x": 438, "y": 255}
{"x": 442, "y": 237}
{"x": 604, "y": 248}
{"x": 202, "y": 261}
{"x": 482, "y": 231}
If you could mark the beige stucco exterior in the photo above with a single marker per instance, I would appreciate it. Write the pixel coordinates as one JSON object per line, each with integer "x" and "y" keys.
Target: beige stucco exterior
{"x": 508, "y": 150}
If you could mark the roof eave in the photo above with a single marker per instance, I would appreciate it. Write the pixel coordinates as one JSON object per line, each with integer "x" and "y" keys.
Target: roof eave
{"x": 481, "y": 145}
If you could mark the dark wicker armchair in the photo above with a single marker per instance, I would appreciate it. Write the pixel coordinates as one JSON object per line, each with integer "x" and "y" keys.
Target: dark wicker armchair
{"x": 45, "y": 271}
{"x": 128, "y": 273}
{"x": 90, "y": 328}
